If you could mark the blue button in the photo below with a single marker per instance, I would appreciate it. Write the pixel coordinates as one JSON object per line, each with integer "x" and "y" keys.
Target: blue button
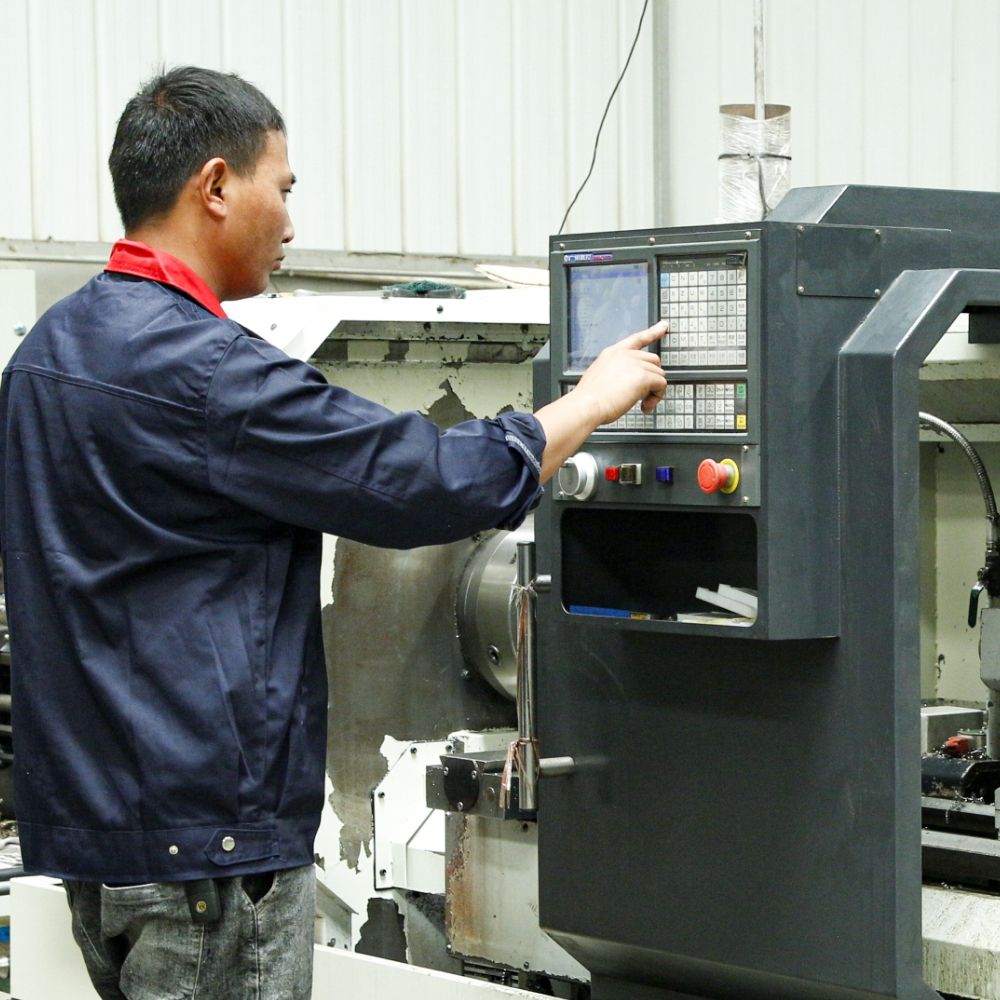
{"x": 664, "y": 473}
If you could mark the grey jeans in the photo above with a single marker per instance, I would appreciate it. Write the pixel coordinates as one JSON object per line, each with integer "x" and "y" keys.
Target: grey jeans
{"x": 140, "y": 943}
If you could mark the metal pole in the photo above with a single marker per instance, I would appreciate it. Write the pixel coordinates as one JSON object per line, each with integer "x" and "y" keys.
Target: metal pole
{"x": 528, "y": 769}
{"x": 992, "y": 724}
{"x": 758, "y": 59}
{"x": 663, "y": 147}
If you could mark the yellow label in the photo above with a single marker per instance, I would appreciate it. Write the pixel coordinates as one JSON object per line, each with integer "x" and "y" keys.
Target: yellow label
{"x": 741, "y": 421}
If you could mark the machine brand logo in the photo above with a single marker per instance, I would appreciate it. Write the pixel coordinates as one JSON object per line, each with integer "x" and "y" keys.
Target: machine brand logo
{"x": 587, "y": 258}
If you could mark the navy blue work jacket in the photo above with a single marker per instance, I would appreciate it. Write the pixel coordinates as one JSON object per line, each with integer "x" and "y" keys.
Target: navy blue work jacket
{"x": 165, "y": 476}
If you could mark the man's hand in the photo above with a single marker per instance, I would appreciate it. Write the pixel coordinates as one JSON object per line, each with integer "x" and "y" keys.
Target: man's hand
{"x": 621, "y": 376}
{"x": 625, "y": 373}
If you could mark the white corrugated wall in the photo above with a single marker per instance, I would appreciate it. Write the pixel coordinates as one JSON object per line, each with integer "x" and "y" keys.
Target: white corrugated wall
{"x": 897, "y": 92}
{"x": 465, "y": 126}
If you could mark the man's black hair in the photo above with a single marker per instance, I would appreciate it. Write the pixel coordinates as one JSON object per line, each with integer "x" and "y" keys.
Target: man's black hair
{"x": 180, "y": 119}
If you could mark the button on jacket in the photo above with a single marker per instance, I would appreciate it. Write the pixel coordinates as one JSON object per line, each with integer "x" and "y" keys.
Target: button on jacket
{"x": 164, "y": 479}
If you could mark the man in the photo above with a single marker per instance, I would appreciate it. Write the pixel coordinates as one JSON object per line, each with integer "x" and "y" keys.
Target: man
{"x": 166, "y": 476}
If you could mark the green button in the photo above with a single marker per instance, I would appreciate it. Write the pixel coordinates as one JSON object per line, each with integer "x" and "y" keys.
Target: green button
{"x": 741, "y": 390}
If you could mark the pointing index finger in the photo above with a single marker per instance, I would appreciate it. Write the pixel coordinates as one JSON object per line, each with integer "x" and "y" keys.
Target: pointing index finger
{"x": 645, "y": 337}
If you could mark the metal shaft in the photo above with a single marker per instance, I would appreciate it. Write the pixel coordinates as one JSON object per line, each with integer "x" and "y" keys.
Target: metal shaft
{"x": 556, "y": 767}
{"x": 528, "y": 776}
{"x": 758, "y": 60}
{"x": 993, "y": 724}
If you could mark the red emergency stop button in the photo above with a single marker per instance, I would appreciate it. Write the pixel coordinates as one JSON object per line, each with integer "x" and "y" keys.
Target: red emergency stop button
{"x": 612, "y": 473}
{"x": 718, "y": 477}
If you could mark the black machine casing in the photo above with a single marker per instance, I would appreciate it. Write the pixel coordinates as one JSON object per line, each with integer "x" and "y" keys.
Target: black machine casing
{"x": 744, "y": 819}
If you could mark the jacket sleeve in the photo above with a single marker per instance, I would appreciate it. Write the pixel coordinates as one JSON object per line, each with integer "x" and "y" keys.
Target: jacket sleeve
{"x": 286, "y": 443}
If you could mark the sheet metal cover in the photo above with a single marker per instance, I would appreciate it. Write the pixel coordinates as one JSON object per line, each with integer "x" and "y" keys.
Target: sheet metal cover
{"x": 839, "y": 261}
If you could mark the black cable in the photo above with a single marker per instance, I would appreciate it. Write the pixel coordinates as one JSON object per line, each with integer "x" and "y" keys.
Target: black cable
{"x": 607, "y": 108}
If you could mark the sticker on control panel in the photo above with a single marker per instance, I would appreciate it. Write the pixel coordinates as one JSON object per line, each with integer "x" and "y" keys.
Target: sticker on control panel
{"x": 588, "y": 258}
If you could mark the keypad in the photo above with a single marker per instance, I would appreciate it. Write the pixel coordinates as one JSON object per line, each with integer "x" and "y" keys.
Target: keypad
{"x": 693, "y": 407}
{"x": 705, "y": 302}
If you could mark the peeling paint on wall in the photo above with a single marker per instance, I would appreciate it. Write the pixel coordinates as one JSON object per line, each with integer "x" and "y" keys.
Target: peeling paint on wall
{"x": 382, "y": 934}
{"x": 448, "y": 410}
{"x": 395, "y": 667}
{"x": 484, "y": 390}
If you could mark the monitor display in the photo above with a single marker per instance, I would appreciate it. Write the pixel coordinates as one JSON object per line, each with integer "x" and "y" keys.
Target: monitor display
{"x": 606, "y": 302}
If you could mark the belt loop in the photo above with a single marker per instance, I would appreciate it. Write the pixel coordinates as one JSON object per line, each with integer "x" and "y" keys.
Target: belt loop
{"x": 203, "y": 901}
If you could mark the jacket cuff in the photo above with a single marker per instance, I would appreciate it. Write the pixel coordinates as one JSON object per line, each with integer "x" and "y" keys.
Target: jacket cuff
{"x": 525, "y": 437}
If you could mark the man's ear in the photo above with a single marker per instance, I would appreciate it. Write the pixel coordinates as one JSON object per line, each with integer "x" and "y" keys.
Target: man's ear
{"x": 211, "y": 183}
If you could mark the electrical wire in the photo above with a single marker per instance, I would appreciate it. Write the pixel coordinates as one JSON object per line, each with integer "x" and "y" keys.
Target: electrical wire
{"x": 607, "y": 108}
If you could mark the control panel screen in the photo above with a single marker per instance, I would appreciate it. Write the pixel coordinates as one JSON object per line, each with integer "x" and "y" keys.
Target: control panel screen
{"x": 606, "y": 303}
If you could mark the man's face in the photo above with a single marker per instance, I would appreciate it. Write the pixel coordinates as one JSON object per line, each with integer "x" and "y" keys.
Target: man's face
{"x": 257, "y": 223}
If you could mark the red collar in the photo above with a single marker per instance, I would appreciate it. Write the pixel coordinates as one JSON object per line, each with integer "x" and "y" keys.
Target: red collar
{"x": 133, "y": 257}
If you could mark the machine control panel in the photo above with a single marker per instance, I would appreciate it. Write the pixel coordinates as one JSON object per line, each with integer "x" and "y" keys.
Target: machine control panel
{"x": 682, "y": 484}
{"x": 717, "y": 477}
{"x": 692, "y": 449}
{"x": 709, "y": 298}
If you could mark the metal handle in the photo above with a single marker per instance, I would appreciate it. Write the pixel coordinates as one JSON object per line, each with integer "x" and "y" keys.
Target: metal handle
{"x": 556, "y": 767}
{"x": 977, "y": 589}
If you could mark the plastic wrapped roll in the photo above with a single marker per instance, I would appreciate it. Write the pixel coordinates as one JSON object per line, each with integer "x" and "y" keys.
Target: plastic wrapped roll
{"x": 755, "y": 162}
